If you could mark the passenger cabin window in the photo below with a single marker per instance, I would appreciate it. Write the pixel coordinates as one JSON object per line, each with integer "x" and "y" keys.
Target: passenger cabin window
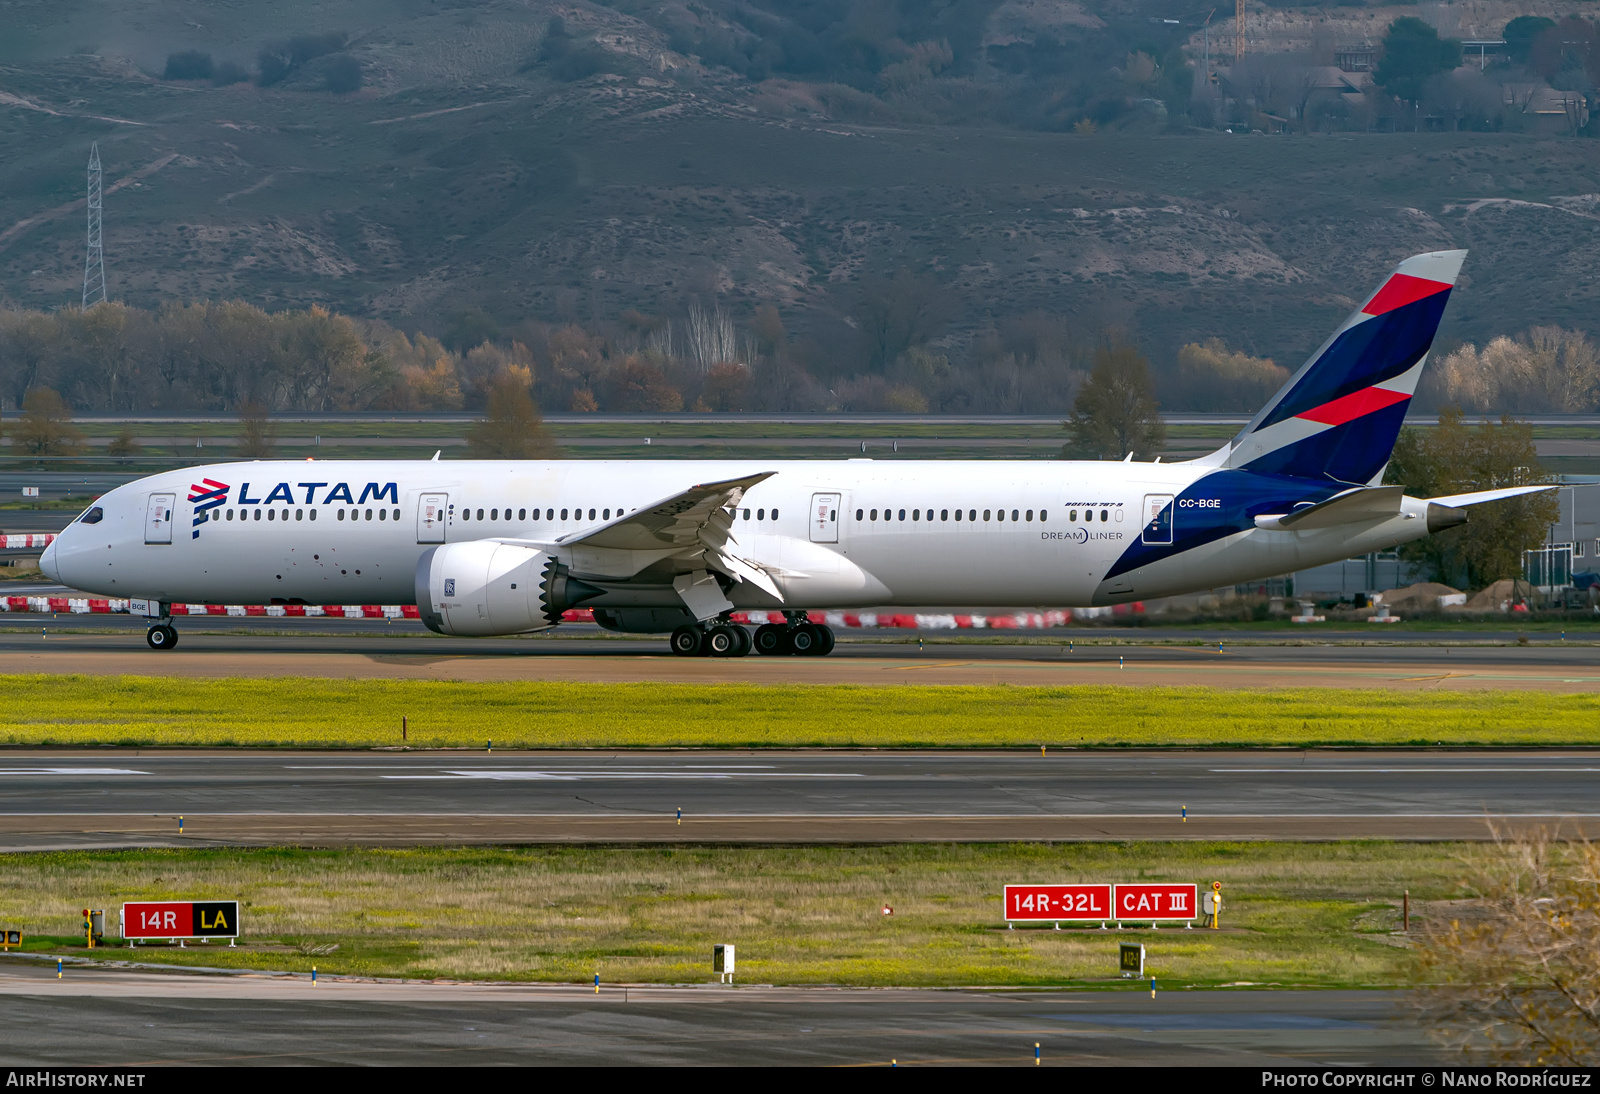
{"x": 1105, "y": 515}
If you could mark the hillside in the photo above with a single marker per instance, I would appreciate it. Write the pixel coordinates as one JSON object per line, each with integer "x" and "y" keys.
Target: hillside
{"x": 459, "y": 179}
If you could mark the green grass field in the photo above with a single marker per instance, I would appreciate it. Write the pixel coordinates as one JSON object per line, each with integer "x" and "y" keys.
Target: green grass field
{"x": 131, "y": 710}
{"x": 1319, "y": 915}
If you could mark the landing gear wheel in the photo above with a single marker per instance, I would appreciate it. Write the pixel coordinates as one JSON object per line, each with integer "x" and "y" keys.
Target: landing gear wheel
{"x": 686, "y": 641}
{"x": 772, "y": 640}
{"x": 720, "y": 642}
{"x": 163, "y": 636}
{"x": 826, "y": 646}
{"x": 804, "y": 640}
{"x": 744, "y": 642}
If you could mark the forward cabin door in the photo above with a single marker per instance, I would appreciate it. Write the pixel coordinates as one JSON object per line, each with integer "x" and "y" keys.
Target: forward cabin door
{"x": 431, "y": 510}
{"x": 158, "y": 518}
{"x": 825, "y": 518}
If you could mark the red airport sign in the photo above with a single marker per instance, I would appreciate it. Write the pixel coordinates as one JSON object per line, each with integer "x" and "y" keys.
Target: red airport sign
{"x": 1155, "y": 901}
{"x": 1053, "y": 902}
{"x": 181, "y": 919}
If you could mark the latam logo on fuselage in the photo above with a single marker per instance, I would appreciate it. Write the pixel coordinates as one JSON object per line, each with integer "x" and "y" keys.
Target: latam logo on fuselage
{"x": 209, "y": 494}
{"x": 339, "y": 493}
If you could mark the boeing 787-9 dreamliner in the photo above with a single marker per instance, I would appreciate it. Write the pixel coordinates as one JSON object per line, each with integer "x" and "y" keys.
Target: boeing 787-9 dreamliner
{"x": 500, "y": 547}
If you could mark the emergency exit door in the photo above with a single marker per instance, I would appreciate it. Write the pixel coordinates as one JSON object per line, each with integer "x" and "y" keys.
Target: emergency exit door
{"x": 158, "y": 518}
{"x": 431, "y": 512}
{"x": 825, "y": 518}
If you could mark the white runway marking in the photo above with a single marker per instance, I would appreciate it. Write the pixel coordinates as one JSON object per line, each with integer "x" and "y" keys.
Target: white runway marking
{"x": 70, "y": 771}
{"x": 1402, "y": 770}
{"x": 580, "y": 776}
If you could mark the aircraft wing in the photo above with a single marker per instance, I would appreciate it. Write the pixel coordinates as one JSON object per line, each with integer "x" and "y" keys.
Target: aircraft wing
{"x": 696, "y": 516}
{"x": 692, "y": 530}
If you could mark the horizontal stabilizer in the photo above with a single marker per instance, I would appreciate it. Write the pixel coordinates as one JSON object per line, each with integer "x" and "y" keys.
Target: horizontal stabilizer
{"x": 1461, "y": 501}
{"x": 1351, "y": 507}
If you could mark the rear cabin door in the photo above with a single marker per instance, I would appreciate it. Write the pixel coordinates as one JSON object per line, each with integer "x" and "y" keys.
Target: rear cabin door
{"x": 158, "y": 518}
{"x": 825, "y": 518}
{"x": 1157, "y": 519}
{"x": 431, "y": 511}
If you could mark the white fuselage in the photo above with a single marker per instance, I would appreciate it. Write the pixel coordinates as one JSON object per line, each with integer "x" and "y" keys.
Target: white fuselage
{"x": 344, "y": 532}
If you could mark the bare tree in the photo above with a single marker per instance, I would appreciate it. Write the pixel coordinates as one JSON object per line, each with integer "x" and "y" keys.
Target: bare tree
{"x": 1518, "y": 979}
{"x": 511, "y": 428}
{"x": 46, "y": 427}
{"x": 1116, "y": 412}
{"x": 258, "y": 433}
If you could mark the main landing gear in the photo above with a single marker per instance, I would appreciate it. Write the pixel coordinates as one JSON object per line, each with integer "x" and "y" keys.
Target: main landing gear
{"x": 161, "y": 636}
{"x": 796, "y": 639}
{"x": 724, "y": 639}
{"x": 721, "y": 639}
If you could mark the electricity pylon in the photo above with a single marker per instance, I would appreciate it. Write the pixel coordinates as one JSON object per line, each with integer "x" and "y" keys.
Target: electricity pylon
{"x": 94, "y": 263}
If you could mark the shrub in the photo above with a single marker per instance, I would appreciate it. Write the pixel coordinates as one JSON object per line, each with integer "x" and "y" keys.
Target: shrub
{"x": 343, "y": 75}
{"x": 191, "y": 64}
{"x": 228, "y": 73}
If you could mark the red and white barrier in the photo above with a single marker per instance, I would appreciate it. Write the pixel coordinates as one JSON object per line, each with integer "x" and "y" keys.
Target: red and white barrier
{"x": 62, "y": 605}
{"x": 38, "y": 540}
{"x": 941, "y": 621}
{"x": 52, "y": 605}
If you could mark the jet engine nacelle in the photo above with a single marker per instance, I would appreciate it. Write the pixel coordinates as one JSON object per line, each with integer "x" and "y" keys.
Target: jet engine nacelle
{"x": 483, "y": 588}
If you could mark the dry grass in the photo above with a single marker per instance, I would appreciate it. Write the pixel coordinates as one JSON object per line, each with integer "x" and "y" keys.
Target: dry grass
{"x": 135, "y": 710}
{"x": 1297, "y": 914}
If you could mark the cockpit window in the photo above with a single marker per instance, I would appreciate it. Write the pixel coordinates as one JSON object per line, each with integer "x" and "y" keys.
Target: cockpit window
{"x": 94, "y": 516}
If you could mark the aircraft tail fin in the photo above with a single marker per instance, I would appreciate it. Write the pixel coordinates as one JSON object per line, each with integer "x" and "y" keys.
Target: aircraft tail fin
{"x": 1338, "y": 417}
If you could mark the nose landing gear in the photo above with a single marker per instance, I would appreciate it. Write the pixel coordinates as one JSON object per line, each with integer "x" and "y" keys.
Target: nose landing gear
{"x": 162, "y": 635}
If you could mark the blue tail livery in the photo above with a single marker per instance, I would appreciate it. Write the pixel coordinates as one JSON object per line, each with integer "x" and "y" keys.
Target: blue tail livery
{"x": 1337, "y": 419}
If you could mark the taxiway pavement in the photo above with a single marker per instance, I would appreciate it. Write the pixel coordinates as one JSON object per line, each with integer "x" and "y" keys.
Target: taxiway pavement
{"x": 353, "y": 649}
{"x": 99, "y": 1017}
{"x": 133, "y": 797}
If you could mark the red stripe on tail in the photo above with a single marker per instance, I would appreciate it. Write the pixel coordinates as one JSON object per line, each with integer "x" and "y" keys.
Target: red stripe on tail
{"x": 1400, "y": 290}
{"x": 1353, "y": 406}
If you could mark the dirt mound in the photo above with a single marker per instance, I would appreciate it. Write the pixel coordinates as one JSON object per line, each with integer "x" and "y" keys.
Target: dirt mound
{"x": 1496, "y": 598}
{"x": 1421, "y": 597}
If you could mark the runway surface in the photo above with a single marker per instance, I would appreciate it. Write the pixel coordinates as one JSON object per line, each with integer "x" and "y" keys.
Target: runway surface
{"x": 133, "y": 798}
{"x": 123, "y": 1019}
{"x": 217, "y": 646}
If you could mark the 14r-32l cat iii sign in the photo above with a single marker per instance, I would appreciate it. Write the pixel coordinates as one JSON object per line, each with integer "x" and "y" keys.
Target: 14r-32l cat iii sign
{"x": 181, "y": 919}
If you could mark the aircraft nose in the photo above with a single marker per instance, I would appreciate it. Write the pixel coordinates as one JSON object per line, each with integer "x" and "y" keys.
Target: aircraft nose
{"x": 47, "y": 561}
